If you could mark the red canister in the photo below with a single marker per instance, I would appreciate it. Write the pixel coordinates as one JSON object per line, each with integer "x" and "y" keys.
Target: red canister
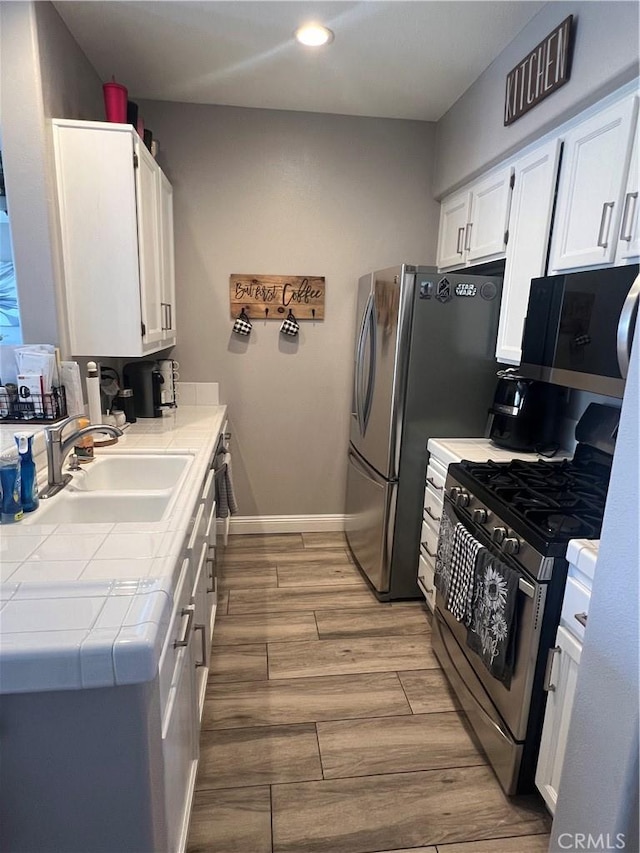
{"x": 115, "y": 101}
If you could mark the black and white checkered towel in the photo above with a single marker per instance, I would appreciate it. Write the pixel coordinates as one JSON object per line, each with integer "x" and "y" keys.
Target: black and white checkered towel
{"x": 464, "y": 555}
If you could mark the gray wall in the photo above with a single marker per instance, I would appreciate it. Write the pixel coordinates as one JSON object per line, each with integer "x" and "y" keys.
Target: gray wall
{"x": 260, "y": 191}
{"x": 599, "y": 790}
{"x": 471, "y": 135}
{"x": 44, "y": 74}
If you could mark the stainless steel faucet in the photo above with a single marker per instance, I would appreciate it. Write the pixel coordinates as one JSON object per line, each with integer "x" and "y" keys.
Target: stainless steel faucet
{"x": 57, "y": 450}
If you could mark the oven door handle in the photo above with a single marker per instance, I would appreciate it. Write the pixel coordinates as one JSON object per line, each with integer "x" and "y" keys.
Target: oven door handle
{"x": 626, "y": 326}
{"x": 470, "y": 692}
{"x": 526, "y": 587}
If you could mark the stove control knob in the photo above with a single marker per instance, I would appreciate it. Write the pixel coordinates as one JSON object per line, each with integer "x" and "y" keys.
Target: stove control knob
{"x": 510, "y": 545}
{"x": 499, "y": 534}
{"x": 463, "y": 499}
{"x": 453, "y": 493}
{"x": 479, "y": 516}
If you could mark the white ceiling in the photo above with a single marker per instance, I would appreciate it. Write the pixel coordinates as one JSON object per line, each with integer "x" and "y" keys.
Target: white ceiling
{"x": 390, "y": 58}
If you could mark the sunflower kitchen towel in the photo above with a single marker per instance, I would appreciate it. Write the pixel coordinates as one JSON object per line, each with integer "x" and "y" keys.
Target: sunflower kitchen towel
{"x": 492, "y": 631}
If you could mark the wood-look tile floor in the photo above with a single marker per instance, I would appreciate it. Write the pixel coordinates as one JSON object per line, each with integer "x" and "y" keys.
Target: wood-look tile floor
{"x": 328, "y": 726}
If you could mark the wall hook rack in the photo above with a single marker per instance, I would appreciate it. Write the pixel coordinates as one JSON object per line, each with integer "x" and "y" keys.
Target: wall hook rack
{"x": 267, "y": 296}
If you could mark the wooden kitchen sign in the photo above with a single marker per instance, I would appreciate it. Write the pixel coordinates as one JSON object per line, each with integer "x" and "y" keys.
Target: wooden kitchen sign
{"x": 541, "y": 72}
{"x": 272, "y": 296}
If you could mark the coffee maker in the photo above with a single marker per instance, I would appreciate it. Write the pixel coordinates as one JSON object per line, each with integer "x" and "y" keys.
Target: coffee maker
{"x": 145, "y": 380}
{"x": 524, "y": 413}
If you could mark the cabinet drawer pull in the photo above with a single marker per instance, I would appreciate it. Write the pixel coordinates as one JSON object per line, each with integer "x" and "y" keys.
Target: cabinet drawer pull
{"x": 203, "y": 646}
{"x": 428, "y": 590}
{"x": 626, "y": 230}
{"x": 467, "y": 236}
{"x": 548, "y": 687}
{"x": 460, "y": 239}
{"x": 581, "y": 618}
{"x": 431, "y": 515}
{"x": 188, "y": 611}
{"x": 196, "y": 528}
{"x": 603, "y": 239}
{"x": 212, "y": 576}
{"x": 424, "y": 545}
{"x": 433, "y": 483}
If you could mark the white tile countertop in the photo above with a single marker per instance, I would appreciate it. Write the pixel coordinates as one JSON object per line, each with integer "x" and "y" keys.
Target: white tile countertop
{"x": 450, "y": 450}
{"x": 583, "y": 554}
{"x": 88, "y": 605}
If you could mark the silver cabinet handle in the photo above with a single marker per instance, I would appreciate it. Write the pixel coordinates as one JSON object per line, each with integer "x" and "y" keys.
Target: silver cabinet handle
{"x": 427, "y": 589}
{"x": 170, "y": 312}
{"x": 467, "y": 236}
{"x": 432, "y": 482}
{"x": 625, "y": 234}
{"x": 424, "y": 545}
{"x": 203, "y": 646}
{"x": 581, "y": 618}
{"x": 603, "y": 239}
{"x": 459, "y": 249}
{"x": 431, "y": 515}
{"x": 548, "y": 687}
{"x": 188, "y": 611}
{"x": 212, "y": 579}
{"x": 626, "y": 326}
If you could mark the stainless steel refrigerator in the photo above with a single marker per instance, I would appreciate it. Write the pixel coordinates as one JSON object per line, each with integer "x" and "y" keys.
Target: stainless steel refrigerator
{"x": 424, "y": 368}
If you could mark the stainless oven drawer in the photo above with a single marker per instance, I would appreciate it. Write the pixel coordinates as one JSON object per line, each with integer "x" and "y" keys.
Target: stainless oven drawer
{"x": 504, "y": 753}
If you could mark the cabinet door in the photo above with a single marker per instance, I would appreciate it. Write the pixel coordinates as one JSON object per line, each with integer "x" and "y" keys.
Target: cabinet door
{"x": 180, "y": 737}
{"x": 149, "y": 246}
{"x": 167, "y": 266}
{"x": 529, "y": 226}
{"x": 98, "y": 222}
{"x": 454, "y": 215}
{"x": 486, "y": 231}
{"x": 629, "y": 235}
{"x": 592, "y": 180}
{"x": 201, "y": 629}
{"x": 562, "y": 684}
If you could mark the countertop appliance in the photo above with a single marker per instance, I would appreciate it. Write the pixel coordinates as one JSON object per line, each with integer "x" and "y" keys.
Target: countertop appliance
{"x": 524, "y": 513}
{"x": 579, "y": 327}
{"x": 524, "y": 412}
{"x": 145, "y": 380}
{"x": 424, "y": 367}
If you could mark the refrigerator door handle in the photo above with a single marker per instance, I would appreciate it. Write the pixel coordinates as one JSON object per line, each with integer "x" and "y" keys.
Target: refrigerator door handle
{"x": 368, "y": 400}
{"x": 357, "y": 377}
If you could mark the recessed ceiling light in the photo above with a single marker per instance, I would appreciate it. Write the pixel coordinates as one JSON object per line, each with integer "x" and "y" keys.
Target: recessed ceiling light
{"x": 313, "y": 35}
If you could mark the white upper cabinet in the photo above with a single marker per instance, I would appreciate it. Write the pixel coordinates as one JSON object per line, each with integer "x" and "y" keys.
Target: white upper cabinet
{"x": 591, "y": 190}
{"x": 629, "y": 235}
{"x": 535, "y": 179}
{"x": 117, "y": 241}
{"x": 474, "y": 222}
{"x": 454, "y": 216}
{"x": 486, "y": 234}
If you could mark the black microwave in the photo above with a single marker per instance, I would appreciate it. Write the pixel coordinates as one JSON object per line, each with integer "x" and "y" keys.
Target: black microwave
{"x": 579, "y": 327}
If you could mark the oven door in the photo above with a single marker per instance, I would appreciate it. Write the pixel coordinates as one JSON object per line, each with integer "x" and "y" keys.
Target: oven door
{"x": 512, "y": 703}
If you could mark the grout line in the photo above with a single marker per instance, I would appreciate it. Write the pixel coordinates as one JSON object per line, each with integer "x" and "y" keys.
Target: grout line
{"x": 404, "y": 691}
{"x": 271, "y": 814}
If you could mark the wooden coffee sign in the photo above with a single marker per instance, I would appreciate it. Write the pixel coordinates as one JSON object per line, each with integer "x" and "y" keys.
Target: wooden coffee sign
{"x": 540, "y": 73}
{"x": 271, "y": 297}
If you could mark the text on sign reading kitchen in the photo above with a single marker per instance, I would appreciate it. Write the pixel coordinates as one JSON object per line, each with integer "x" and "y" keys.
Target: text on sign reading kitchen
{"x": 540, "y": 73}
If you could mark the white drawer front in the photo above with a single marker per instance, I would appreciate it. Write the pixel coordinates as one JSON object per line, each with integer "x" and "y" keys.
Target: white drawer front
{"x": 575, "y": 607}
{"x": 432, "y": 507}
{"x": 436, "y": 475}
{"x": 170, "y": 653}
{"x": 425, "y": 578}
{"x": 428, "y": 540}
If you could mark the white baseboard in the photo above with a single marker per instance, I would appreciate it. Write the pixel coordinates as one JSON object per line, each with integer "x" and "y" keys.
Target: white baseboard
{"x": 286, "y": 523}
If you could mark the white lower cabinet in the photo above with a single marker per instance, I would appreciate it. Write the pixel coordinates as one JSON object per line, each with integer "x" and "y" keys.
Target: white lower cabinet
{"x": 561, "y": 684}
{"x": 431, "y": 514}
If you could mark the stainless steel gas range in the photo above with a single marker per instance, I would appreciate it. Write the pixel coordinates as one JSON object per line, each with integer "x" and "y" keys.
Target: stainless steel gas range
{"x": 523, "y": 514}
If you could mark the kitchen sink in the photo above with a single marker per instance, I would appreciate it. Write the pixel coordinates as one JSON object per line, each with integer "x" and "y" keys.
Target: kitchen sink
{"x": 129, "y": 471}
{"x": 83, "y": 508}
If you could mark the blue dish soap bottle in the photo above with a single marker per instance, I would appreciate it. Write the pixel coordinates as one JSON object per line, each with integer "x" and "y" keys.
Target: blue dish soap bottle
{"x": 10, "y": 482}
{"x": 28, "y": 474}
